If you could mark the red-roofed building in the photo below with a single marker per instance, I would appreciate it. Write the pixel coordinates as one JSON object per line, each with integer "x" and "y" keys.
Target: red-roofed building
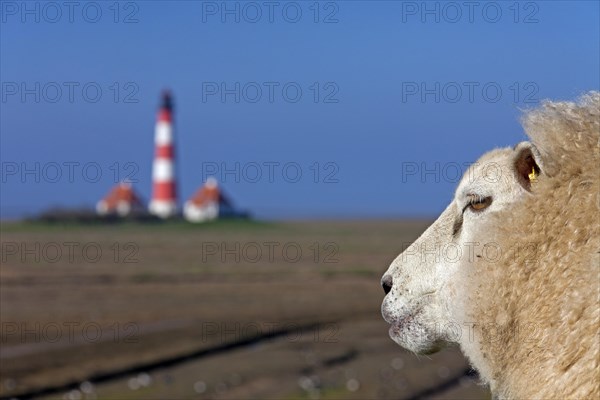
{"x": 207, "y": 203}
{"x": 121, "y": 200}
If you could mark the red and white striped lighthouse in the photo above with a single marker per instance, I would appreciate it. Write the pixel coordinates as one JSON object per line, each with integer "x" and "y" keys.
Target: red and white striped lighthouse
{"x": 164, "y": 188}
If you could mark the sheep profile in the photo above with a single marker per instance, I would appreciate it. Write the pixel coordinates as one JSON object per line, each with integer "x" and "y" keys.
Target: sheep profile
{"x": 511, "y": 269}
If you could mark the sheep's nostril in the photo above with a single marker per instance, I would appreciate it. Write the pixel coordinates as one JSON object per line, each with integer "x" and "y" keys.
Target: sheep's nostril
{"x": 386, "y": 288}
{"x": 386, "y": 283}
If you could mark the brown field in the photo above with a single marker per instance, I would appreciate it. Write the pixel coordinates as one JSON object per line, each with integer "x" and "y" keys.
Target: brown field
{"x": 234, "y": 309}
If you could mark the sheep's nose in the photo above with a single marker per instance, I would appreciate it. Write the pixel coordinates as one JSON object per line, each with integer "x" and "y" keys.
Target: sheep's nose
{"x": 386, "y": 283}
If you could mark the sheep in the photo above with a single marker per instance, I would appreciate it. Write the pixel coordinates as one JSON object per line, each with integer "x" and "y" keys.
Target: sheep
{"x": 510, "y": 271}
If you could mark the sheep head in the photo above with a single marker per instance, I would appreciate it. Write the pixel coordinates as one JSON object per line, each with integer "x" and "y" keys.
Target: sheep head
{"x": 509, "y": 271}
{"x": 422, "y": 291}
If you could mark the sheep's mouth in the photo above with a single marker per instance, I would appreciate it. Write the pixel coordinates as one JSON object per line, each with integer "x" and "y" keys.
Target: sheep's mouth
{"x": 409, "y": 332}
{"x": 400, "y": 324}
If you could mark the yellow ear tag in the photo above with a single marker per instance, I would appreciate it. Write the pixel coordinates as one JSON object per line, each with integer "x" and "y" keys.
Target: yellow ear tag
{"x": 532, "y": 174}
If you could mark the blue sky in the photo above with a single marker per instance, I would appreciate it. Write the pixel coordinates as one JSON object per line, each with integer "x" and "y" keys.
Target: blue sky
{"x": 362, "y": 120}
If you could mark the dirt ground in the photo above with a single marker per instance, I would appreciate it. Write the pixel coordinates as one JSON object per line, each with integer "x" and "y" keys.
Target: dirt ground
{"x": 228, "y": 310}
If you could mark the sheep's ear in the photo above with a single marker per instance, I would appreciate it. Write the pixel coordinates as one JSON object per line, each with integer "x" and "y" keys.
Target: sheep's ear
{"x": 527, "y": 164}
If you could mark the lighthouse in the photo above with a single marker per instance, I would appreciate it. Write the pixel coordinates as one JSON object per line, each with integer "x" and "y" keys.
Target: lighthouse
{"x": 164, "y": 188}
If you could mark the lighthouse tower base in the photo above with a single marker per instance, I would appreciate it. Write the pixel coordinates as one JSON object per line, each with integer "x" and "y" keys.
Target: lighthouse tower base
{"x": 163, "y": 209}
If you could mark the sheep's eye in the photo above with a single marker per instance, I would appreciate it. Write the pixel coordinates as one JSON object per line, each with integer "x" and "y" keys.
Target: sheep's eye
{"x": 477, "y": 203}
